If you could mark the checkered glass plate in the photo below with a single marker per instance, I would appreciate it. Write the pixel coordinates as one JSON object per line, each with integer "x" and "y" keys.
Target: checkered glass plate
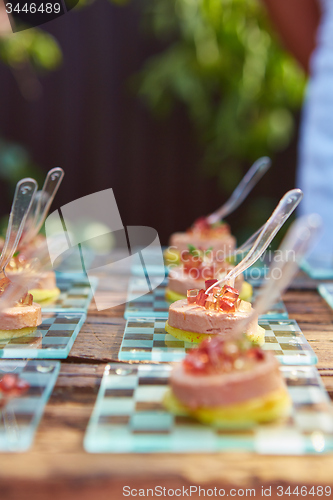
{"x": 76, "y": 292}
{"x": 326, "y": 291}
{"x": 154, "y": 268}
{"x": 129, "y": 417}
{"x": 54, "y": 338}
{"x": 320, "y": 268}
{"x": 145, "y": 339}
{"x": 153, "y": 304}
{"x": 254, "y": 273}
{"x": 19, "y": 419}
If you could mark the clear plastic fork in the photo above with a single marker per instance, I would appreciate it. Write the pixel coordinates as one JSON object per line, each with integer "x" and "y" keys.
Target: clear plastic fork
{"x": 41, "y": 205}
{"x": 24, "y": 193}
{"x": 250, "y": 179}
{"x": 284, "y": 209}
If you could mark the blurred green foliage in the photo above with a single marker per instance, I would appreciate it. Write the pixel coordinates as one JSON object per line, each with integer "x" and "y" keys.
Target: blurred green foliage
{"x": 15, "y": 164}
{"x": 32, "y": 46}
{"x": 33, "y": 51}
{"x": 224, "y": 64}
{"x": 220, "y": 60}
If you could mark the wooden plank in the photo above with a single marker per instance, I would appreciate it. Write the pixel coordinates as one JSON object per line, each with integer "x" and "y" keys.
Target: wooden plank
{"x": 57, "y": 465}
{"x": 98, "y": 341}
{"x": 101, "y": 335}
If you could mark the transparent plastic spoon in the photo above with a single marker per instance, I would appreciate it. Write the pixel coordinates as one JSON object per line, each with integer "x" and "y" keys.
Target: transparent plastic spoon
{"x": 245, "y": 247}
{"x": 250, "y": 179}
{"x": 41, "y": 206}
{"x": 284, "y": 209}
{"x": 295, "y": 245}
{"x": 31, "y": 216}
{"x": 24, "y": 193}
{"x": 298, "y": 240}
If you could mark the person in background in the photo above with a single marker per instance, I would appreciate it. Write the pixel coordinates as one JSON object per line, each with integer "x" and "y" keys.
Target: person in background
{"x": 306, "y": 29}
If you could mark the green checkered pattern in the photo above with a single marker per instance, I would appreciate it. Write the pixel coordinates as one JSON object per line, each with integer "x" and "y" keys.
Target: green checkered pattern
{"x": 153, "y": 304}
{"x": 76, "y": 293}
{"x": 145, "y": 339}
{"x": 54, "y": 338}
{"x": 129, "y": 417}
{"x": 21, "y": 415}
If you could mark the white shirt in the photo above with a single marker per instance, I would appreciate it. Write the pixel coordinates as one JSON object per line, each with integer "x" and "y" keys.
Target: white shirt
{"x": 315, "y": 169}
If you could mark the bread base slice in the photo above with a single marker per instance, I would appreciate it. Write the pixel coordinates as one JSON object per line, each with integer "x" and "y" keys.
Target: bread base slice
{"x": 194, "y": 337}
{"x": 172, "y": 296}
{"x": 44, "y": 295}
{"x": 273, "y": 406}
{"x": 15, "y": 334}
{"x": 245, "y": 293}
{"x": 171, "y": 257}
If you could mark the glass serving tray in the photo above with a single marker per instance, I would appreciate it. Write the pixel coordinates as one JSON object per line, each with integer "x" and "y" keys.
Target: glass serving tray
{"x": 20, "y": 417}
{"x": 145, "y": 339}
{"x": 326, "y": 291}
{"x": 319, "y": 268}
{"x": 71, "y": 260}
{"x": 54, "y": 338}
{"x": 76, "y": 292}
{"x": 129, "y": 417}
{"x": 255, "y": 272}
{"x": 153, "y": 304}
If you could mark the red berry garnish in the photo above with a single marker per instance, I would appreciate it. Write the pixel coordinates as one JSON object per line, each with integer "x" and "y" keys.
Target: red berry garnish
{"x": 209, "y": 283}
{"x": 201, "y": 298}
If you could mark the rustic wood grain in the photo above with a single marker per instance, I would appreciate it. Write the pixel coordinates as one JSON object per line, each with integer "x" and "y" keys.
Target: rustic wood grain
{"x": 58, "y": 467}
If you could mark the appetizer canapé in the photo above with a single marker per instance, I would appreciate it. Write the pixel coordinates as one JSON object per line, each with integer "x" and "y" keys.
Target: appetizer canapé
{"x": 45, "y": 287}
{"x": 218, "y": 313}
{"x": 202, "y": 235}
{"x": 11, "y": 386}
{"x": 196, "y": 267}
{"x": 20, "y": 319}
{"x": 228, "y": 384}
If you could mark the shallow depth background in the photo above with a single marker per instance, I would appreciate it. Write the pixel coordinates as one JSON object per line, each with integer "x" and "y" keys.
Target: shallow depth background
{"x": 89, "y": 122}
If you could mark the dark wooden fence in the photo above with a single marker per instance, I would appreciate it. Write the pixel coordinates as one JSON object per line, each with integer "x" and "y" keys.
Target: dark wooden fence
{"x": 90, "y": 123}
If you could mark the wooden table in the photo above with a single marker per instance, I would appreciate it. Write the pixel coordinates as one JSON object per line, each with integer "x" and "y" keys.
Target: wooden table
{"x": 58, "y": 467}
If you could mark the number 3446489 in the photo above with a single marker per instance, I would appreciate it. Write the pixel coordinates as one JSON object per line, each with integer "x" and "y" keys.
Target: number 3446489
{"x": 31, "y": 8}
{"x": 304, "y": 491}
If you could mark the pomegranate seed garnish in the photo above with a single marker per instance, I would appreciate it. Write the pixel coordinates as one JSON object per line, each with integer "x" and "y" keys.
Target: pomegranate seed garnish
{"x": 214, "y": 355}
{"x": 227, "y": 305}
{"x": 209, "y": 283}
{"x": 192, "y": 295}
{"x": 211, "y": 303}
{"x": 201, "y": 298}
